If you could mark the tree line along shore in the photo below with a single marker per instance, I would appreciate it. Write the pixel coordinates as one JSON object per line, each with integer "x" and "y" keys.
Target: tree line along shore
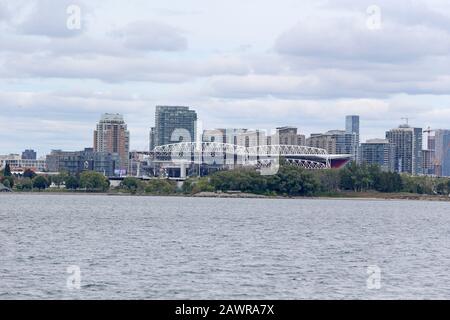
{"x": 353, "y": 181}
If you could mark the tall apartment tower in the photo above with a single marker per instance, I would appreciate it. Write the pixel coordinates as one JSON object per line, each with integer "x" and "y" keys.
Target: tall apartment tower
{"x": 352, "y": 124}
{"x": 429, "y": 154}
{"x": 442, "y": 153}
{"x": 352, "y": 127}
{"x": 172, "y": 125}
{"x": 112, "y": 136}
{"x": 380, "y": 152}
{"x": 408, "y": 144}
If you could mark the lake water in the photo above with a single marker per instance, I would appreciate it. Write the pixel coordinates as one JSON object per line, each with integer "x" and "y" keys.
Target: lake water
{"x": 196, "y": 248}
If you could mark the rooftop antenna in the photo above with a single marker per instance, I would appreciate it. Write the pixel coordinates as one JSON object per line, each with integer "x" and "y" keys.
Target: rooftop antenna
{"x": 407, "y": 120}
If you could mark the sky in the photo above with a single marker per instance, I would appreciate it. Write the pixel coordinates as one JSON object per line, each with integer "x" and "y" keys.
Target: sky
{"x": 256, "y": 64}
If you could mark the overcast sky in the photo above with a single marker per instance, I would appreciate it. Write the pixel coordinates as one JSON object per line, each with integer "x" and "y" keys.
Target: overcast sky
{"x": 239, "y": 63}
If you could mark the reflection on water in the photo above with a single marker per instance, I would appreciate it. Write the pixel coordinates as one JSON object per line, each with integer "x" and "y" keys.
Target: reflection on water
{"x": 177, "y": 248}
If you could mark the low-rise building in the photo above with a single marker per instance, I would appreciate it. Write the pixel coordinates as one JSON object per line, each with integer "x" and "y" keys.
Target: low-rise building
{"x": 19, "y": 165}
{"x": 87, "y": 160}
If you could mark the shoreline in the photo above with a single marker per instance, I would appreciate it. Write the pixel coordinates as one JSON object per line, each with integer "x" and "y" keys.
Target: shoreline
{"x": 364, "y": 196}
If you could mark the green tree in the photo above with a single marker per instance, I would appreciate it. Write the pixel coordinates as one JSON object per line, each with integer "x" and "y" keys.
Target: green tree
{"x": 420, "y": 185}
{"x": 7, "y": 180}
{"x": 7, "y": 171}
{"x": 293, "y": 181}
{"x": 59, "y": 179}
{"x": 388, "y": 182}
{"x": 357, "y": 177}
{"x": 24, "y": 184}
{"x": 131, "y": 184}
{"x": 289, "y": 180}
{"x": 93, "y": 181}
{"x": 40, "y": 182}
{"x": 329, "y": 180}
{"x": 196, "y": 185}
{"x": 159, "y": 186}
{"x": 6, "y": 183}
{"x": 442, "y": 187}
{"x": 72, "y": 183}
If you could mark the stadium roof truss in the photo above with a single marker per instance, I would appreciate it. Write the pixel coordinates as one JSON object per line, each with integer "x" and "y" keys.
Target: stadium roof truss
{"x": 214, "y": 152}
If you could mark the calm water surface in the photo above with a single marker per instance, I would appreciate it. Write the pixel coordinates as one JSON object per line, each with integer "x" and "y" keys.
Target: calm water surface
{"x": 179, "y": 248}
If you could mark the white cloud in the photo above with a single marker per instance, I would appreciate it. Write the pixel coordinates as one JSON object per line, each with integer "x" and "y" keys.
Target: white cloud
{"x": 49, "y": 18}
{"x": 348, "y": 38}
{"x": 255, "y": 64}
{"x": 151, "y": 36}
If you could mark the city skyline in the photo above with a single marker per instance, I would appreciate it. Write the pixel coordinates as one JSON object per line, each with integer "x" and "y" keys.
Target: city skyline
{"x": 404, "y": 150}
{"x": 286, "y": 64}
{"x": 47, "y": 149}
{"x": 121, "y": 120}
{"x": 224, "y": 159}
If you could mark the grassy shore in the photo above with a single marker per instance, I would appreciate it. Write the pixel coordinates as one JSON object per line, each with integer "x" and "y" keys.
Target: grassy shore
{"x": 372, "y": 195}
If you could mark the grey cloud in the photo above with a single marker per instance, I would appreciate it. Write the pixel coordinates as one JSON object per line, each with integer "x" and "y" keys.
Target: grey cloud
{"x": 49, "y": 18}
{"x": 151, "y": 36}
{"x": 116, "y": 69}
{"x": 431, "y": 13}
{"x": 176, "y": 12}
{"x": 326, "y": 66}
{"x": 4, "y": 14}
{"x": 327, "y": 84}
{"x": 63, "y": 121}
{"x": 54, "y": 112}
{"x": 350, "y": 39}
{"x": 410, "y": 54}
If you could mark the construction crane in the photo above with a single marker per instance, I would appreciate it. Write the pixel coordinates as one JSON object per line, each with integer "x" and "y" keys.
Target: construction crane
{"x": 429, "y": 131}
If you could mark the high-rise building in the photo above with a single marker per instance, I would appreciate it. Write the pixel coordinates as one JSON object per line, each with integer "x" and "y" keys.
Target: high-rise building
{"x": 442, "y": 153}
{"x": 287, "y": 136}
{"x": 431, "y": 142}
{"x": 428, "y": 154}
{"x": 408, "y": 144}
{"x": 229, "y": 136}
{"x": 251, "y": 138}
{"x": 29, "y": 155}
{"x": 112, "y": 136}
{"x": 335, "y": 142}
{"x": 352, "y": 127}
{"x": 352, "y": 124}
{"x": 378, "y": 151}
{"x": 174, "y": 124}
{"x": 345, "y": 142}
{"x": 428, "y": 162}
{"x": 322, "y": 141}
